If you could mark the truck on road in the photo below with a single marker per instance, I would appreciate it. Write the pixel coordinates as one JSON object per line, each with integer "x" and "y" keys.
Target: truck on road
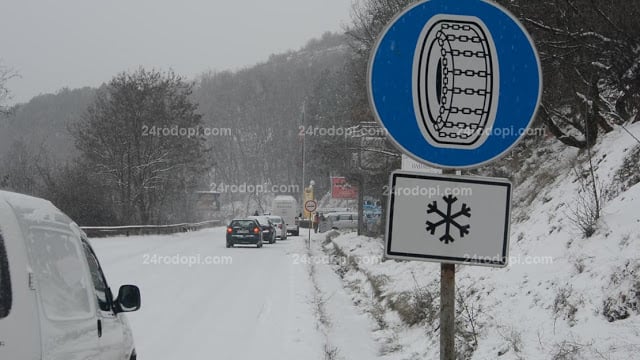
{"x": 286, "y": 207}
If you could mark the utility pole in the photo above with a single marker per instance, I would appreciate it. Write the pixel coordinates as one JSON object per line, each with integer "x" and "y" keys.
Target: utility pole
{"x": 304, "y": 141}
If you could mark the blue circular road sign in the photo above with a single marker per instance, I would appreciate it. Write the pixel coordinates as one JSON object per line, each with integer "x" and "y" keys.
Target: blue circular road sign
{"x": 456, "y": 83}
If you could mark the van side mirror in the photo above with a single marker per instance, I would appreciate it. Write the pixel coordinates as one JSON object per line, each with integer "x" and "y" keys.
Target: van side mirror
{"x": 128, "y": 299}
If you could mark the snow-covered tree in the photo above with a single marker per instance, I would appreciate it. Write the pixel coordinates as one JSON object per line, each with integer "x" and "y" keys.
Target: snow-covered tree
{"x": 138, "y": 135}
{"x": 590, "y": 53}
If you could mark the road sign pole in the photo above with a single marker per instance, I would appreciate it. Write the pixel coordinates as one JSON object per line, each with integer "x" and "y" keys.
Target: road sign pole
{"x": 310, "y": 224}
{"x": 447, "y": 311}
{"x": 447, "y": 306}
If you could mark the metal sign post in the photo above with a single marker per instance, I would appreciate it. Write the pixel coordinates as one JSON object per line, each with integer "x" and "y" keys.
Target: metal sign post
{"x": 447, "y": 311}
{"x": 448, "y": 306}
{"x": 310, "y": 225}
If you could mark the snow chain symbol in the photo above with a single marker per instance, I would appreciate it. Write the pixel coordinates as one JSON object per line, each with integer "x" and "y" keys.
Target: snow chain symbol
{"x": 456, "y": 80}
{"x": 448, "y": 219}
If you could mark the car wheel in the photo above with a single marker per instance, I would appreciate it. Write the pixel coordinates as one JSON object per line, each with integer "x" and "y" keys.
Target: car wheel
{"x": 259, "y": 244}
{"x": 228, "y": 245}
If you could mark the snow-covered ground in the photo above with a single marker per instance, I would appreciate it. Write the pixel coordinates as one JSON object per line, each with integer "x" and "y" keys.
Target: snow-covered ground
{"x": 555, "y": 299}
{"x": 239, "y": 303}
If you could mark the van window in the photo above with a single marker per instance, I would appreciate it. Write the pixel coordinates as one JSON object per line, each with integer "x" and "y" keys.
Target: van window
{"x": 99, "y": 282}
{"x": 61, "y": 277}
{"x": 5, "y": 282}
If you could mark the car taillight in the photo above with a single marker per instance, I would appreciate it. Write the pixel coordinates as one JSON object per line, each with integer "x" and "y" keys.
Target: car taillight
{"x": 256, "y": 230}
{"x": 279, "y": 226}
{"x": 229, "y": 230}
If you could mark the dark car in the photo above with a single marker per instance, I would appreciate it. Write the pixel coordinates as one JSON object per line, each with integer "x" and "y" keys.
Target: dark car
{"x": 244, "y": 231}
{"x": 268, "y": 228}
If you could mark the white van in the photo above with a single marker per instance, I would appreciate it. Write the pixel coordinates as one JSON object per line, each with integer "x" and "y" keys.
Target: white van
{"x": 342, "y": 220}
{"x": 55, "y": 303}
{"x": 286, "y": 207}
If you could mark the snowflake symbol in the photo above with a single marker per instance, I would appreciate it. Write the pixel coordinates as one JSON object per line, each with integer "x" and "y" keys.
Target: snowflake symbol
{"x": 448, "y": 219}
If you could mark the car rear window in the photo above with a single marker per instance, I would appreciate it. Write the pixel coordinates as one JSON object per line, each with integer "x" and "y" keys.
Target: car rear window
{"x": 243, "y": 223}
{"x": 261, "y": 219}
{"x": 5, "y": 282}
{"x": 275, "y": 220}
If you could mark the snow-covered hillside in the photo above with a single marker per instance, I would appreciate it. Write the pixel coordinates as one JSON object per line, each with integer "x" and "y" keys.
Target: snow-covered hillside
{"x": 563, "y": 296}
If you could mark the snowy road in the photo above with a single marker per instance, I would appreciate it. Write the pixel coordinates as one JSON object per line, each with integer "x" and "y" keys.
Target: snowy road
{"x": 240, "y": 303}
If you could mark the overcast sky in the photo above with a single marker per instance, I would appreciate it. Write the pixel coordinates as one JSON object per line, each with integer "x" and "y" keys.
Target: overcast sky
{"x": 75, "y": 43}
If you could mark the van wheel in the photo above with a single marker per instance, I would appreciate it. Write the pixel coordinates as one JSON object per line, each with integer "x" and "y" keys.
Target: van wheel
{"x": 259, "y": 245}
{"x": 229, "y": 245}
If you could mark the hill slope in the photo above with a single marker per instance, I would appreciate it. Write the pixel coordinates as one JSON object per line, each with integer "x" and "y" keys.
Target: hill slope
{"x": 44, "y": 120}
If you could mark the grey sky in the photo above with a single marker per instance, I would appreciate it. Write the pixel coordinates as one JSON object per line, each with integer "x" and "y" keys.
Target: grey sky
{"x": 75, "y": 43}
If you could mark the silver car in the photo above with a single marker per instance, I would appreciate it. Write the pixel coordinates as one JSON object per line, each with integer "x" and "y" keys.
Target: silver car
{"x": 281, "y": 226}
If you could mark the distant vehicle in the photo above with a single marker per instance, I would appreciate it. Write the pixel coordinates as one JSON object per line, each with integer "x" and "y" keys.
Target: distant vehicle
{"x": 332, "y": 210}
{"x": 268, "y": 229}
{"x": 244, "y": 231}
{"x": 342, "y": 220}
{"x": 286, "y": 207}
{"x": 372, "y": 218}
{"x": 281, "y": 226}
{"x": 55, "y": 302}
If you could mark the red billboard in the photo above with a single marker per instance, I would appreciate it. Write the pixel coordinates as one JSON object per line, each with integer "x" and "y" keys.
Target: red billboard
{"x": 341, "y": 189}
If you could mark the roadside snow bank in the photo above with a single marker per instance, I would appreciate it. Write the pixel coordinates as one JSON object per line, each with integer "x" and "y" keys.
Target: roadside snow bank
{"x": 563, "y": 296}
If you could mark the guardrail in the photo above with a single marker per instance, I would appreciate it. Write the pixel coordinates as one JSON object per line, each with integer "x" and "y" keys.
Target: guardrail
{"x": 105, "y": 231}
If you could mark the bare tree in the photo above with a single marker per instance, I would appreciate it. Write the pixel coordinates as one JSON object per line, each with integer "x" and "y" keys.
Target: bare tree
{"x": 6, "y": 74}
{"x": 137, "y": 135}
{"x": 20, "y": 168}
{"x": 590, "y": 55}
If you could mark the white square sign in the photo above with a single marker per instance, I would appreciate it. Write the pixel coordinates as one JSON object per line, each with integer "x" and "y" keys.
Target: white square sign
{"x": 448, "y": 218}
